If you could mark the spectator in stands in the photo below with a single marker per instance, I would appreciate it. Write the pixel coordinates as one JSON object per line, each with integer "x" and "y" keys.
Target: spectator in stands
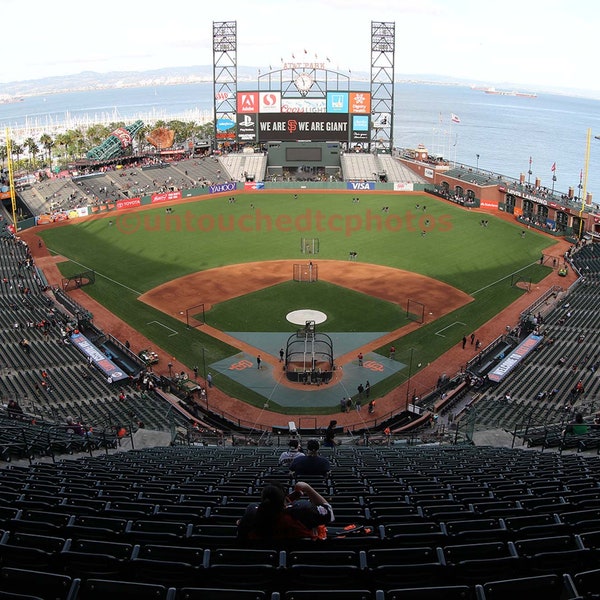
{"x": 330, "y": 441}
{"x": 311, "y": 464}
{"x": 13, "y": 410}
{"x": 304, "y": 514}
{"x": 288, "y": 456}
{"x": 75, "y": 427}
{"x": 577, "y": 427}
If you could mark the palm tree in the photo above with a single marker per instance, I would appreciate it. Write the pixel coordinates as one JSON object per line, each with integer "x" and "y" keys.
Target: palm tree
{"x": 96, "y": 134}
{"x": 62, "y": 139}
{"x": 17, "y": 150}
{"x": 32, "y": 148}
{"x": 47, "y": 142}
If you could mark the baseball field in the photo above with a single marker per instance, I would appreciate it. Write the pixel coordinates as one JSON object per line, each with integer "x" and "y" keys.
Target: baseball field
{"x": 228, "y": 261}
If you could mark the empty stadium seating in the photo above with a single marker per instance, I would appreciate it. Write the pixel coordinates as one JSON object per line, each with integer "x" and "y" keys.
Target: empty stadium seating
{"x": 461, "y": 553}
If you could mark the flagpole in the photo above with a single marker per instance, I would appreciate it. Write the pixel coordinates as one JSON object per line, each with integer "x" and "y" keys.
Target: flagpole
{"x": 455, "y": 144}
{"x": 585, "y": 178}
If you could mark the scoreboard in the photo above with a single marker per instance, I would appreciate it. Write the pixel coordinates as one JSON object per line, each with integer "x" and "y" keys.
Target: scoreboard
{"x": 269, "y": 116}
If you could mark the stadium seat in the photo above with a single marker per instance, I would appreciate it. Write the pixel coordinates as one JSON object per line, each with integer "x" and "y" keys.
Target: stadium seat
{"x": 38, "y": 583}
{"x": 449, "y": 592}
{"x": 587, "y": 583}
{"x": 325, "y": 594}
{"x": 101, "y": 589}
{"x": 97, "y": 527}
{"x": 427, "y": 533}
{"x": 188, "y": 593}
{"x": 188, "y": 554}
{"x": 473, "y": 530}
{"x": 396, "y": 575}
{"x": 549, "y": 587}
{"x": 213, "y": 536}
{"x": 401, "y": 556}
{"x": 157, "y": 531}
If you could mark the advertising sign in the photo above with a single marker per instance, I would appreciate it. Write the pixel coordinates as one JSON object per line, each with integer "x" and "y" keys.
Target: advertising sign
{"x": 247, "y": 128}
{"x": 308, "y": 126}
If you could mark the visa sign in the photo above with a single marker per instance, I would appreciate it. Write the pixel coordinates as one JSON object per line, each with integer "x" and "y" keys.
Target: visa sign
{"x": 361, "y": 185}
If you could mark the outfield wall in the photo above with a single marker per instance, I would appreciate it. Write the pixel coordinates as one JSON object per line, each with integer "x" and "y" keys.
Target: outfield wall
{"x": 231, "y": 187}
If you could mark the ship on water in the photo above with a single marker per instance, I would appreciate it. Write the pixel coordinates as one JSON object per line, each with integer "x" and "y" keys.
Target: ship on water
{"x": 496, "y": 92}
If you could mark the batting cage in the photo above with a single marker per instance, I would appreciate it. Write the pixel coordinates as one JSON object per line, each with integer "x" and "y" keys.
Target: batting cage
{"x": 309, "y": 356}
{"x": 195, "y": 316}
{"x": 415, "y": 311}
{"x": 308, "y": 272}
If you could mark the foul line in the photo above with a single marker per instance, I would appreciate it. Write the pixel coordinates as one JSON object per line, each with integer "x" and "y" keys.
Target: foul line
{"x": 503, "y": 278}
{"x": 163, "y": 325}
{"x": 97, "y": 273}
{"x": 448, "y": 327}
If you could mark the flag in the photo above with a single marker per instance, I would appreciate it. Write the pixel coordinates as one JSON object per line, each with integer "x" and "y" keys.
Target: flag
{"x": 454, "y": 118}
{"x": 553, "y": 167}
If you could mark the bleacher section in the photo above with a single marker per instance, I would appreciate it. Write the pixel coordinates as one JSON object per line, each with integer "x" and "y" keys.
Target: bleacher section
{"x": 111, "y": 185}
{"x": 396, "y": 171}
{"x": 359, "y": 167}
{"x": 369, "y": 167}
{"x": 51, "y": 379}
{"x": 430, "y": 522}
{"x": 240, "y": 166}
{"x": 53, "y": 194}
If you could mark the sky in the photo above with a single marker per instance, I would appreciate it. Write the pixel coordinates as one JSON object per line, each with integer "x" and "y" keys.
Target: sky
{"x": 529, "y": 43}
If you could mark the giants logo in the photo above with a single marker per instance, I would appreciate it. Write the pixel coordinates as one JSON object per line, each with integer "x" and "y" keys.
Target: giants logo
{"x": 241, "y": 365}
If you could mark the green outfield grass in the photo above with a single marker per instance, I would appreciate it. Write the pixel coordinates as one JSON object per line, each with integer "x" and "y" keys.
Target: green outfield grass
{"x": 146, "y": 248}
{"x": 346, "y": 310}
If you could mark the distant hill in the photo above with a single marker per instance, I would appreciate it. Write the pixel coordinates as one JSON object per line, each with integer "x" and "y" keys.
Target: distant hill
{"x": 204, "y": 73}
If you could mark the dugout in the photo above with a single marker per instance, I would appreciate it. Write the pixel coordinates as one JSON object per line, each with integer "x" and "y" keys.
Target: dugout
{"x": 304, "y": 159}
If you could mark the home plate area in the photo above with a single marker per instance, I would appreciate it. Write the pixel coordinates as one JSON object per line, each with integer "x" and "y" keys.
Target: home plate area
{"x": 270, "y": 380}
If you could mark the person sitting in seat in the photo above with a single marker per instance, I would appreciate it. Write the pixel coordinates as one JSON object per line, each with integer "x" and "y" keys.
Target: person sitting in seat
{"x": 288, "y": 456}
{"x": 75, "y": 427}
{"x": 302, "y": 514}
{"x": 14, "y": 410}
{"x": 312, "y": 464}
{"x": 577, "y": 427}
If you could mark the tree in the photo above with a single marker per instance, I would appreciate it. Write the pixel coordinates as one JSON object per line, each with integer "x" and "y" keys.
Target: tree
{"x": 17, "y": 150}
{"x": 47, "y": 142}
{"x": 32, "y": 149}
{"x": 62, "y": 139}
